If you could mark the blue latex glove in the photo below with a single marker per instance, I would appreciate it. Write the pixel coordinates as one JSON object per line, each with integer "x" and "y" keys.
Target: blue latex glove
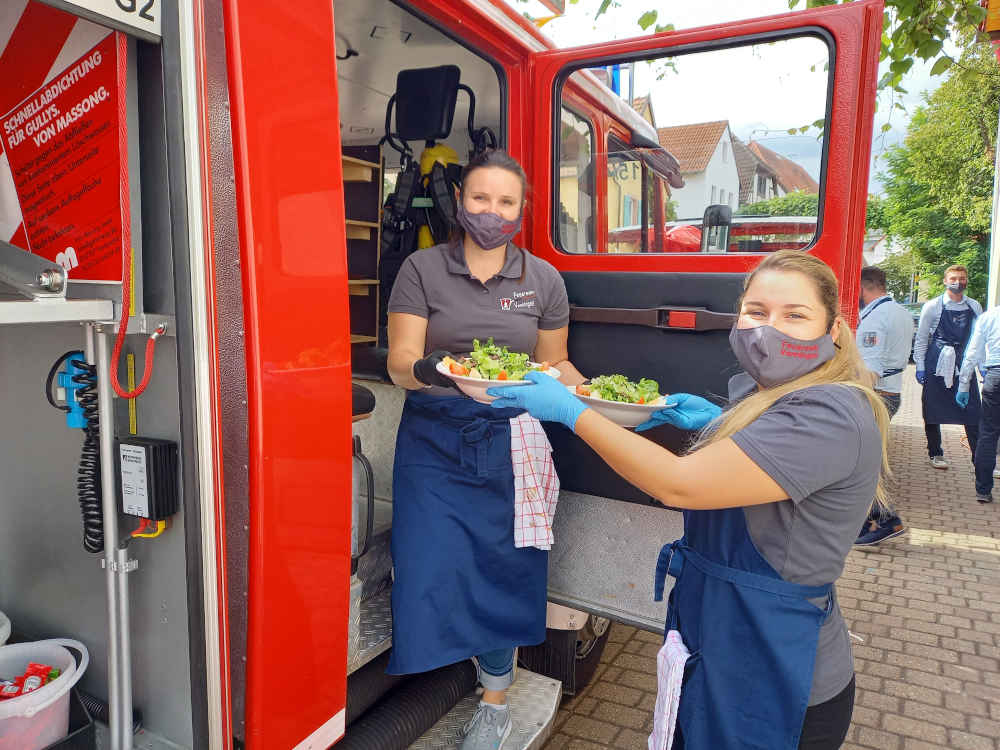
{"x": 690, "y": 413}
{"x": 982, "y": 371}
{"x": 921, "y": 376}
{"x": 548, "y": 400}
{"x": 962, "y": 399}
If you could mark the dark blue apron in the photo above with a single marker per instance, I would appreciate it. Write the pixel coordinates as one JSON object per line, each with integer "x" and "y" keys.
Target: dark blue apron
{"x": 752, "y": 637}
{"x": 938, "y": 402}
{"x": 461, "y": 588}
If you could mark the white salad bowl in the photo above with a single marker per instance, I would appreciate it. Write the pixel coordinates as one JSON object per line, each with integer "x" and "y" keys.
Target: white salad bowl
{"x": 626, "y": 415}
{"x": 475, "y": 388}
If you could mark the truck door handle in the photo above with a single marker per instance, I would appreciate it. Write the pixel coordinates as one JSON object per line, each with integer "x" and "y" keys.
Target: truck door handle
{"x": 667, "y": 317}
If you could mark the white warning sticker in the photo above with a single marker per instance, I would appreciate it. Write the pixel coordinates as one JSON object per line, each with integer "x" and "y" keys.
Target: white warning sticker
{"x": 135, "y": 493}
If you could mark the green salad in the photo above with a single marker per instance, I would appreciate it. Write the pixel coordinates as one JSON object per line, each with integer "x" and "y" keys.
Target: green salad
{"x": 620, "y": 388}
{"x": 491, "y": 362}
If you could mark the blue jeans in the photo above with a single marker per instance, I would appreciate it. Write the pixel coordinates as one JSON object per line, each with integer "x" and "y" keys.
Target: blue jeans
{"x": 989, "y": 432}
{"x": 496, "y": 669}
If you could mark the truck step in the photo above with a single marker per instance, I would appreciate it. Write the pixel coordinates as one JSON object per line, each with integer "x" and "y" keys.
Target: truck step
{"x": 534, "y": 701}
{"x": 372, "y": 631}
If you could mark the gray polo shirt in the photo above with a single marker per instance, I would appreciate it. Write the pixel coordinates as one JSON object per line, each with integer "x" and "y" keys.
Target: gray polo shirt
{"x": 822, "y": 446}
{"x": 436, "y": 284}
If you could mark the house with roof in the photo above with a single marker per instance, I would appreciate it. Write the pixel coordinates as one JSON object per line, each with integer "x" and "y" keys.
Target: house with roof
{"x": 707, "y": 163}
{"x": 790, "y": 176}
{"x": 758, "y": 181}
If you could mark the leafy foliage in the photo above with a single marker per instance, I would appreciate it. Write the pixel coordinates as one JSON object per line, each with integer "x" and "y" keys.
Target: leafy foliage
{"x": 939, "y": 182}
{"x": 807, "y": 204}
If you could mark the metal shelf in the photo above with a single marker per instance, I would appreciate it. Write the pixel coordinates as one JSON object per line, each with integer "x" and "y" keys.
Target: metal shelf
{"x": 54, "y": 310}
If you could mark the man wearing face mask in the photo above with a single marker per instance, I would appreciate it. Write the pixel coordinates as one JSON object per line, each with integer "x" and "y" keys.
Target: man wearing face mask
{"x": 945, "y": 327}
{"x": 884, "y": 336}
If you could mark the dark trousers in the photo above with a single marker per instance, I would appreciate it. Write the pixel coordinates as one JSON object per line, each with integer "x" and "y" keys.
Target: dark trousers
{"x": 989, "y": 432}
{"x": 892, "y": 403}
{"x": 933, "y": 432}
{"x": 826, "y": 724}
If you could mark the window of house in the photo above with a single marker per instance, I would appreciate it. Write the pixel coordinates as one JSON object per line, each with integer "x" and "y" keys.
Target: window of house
{"x": 712, "y": 201}
{"x": 725, "y": 153}
{"x": 575, "y": 186}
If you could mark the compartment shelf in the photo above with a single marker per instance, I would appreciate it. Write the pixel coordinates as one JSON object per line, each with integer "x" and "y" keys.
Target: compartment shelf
{"x": 358, "y": 170}
{"x": 360, "y": 287}
{"x": 360, "y": 230}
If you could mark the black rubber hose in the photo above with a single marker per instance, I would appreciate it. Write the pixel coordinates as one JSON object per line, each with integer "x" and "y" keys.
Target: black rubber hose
{"x": 366, "y": 686}
{"x": 88, "y": 483}
{"x": 411, "y": 709}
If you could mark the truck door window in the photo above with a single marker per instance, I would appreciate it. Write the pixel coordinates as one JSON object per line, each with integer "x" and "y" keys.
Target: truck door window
{"x": 636, "y": 199}
{"x": 576, "y": 179}
{"x": 734, "y": 134}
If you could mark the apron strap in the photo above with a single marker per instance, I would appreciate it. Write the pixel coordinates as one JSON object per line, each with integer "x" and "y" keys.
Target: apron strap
{"x": 670, "y": 560}
{"x": 674, "y": 555}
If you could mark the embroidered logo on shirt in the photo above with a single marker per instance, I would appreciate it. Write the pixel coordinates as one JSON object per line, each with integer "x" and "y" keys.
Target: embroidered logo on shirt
{"x": 518, "y": 300}
{"x": 869, "y": 339}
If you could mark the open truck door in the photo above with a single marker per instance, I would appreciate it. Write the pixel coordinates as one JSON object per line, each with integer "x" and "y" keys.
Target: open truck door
{"x": 667, "y": 316}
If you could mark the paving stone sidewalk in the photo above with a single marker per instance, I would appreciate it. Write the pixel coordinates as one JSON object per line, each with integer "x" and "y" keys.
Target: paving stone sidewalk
{"x": 927, "y": 605}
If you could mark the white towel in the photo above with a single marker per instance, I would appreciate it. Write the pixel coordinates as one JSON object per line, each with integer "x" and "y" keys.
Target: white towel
{"x": 536, "y": 485}
{"x": 670, "y": 663}
{"x": 946, "y": 365}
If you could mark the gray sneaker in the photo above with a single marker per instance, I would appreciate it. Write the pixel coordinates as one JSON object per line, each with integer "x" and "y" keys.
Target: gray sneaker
{"x": 939, "y": 462}
{"x": 488, "y": 729}
{"x": 983, "y": 499}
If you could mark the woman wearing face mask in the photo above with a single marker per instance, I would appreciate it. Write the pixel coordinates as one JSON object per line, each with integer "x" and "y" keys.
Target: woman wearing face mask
{"x": 774, "y": 493}
{"x": 462, "y": 589}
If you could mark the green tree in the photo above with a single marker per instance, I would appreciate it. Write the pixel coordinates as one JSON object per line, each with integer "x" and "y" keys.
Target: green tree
{"x": 801, "y": 203}
{"x": 939, "y": 182}
{"x": 902, "y": 272}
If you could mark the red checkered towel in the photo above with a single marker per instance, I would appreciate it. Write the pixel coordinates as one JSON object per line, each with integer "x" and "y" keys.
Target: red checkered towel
{"x": 536, "y": 486}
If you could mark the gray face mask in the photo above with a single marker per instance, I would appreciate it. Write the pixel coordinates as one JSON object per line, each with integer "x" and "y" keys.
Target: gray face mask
{"x": 771, "y": 358}
{"x": 956, "y": 288}
{"x": 488, "y": 230}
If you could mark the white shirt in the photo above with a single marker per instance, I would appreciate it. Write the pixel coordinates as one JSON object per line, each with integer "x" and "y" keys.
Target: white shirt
{"x": 884, "y": 336}
{"x": 983, "y": 348}
{"x": 930, "y": 316}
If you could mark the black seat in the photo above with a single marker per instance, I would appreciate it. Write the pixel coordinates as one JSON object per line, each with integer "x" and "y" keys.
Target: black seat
{"x": 362, "y": 400}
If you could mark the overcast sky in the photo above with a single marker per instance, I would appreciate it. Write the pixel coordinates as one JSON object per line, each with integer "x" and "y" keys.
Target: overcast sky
{"x": 762, "y": 90}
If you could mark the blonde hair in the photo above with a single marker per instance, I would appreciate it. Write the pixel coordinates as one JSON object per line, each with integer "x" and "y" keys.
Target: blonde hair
{"x": 846, "y": 368}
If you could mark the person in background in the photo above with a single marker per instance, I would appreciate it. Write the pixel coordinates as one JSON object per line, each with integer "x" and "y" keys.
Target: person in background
{"x": 884, "y": 338}
{"x": 773, "y": 496}
{"x": 983, "y": 352}
{"x": 944, "y": 330}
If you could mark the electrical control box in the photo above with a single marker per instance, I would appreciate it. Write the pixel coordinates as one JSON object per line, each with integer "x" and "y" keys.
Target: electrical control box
{"x": 148, "y": 479}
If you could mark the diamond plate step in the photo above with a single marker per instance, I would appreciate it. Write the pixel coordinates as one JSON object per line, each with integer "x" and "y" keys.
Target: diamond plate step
{"x": 372, "y": 634}
{"x": 533, "y": 701}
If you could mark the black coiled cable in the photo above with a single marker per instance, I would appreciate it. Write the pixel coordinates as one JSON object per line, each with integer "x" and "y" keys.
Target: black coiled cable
{"x": 88, "y": 483}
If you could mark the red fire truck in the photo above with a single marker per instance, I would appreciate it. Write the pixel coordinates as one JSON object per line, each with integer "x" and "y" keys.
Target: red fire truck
{"x": 211, "y": 179}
